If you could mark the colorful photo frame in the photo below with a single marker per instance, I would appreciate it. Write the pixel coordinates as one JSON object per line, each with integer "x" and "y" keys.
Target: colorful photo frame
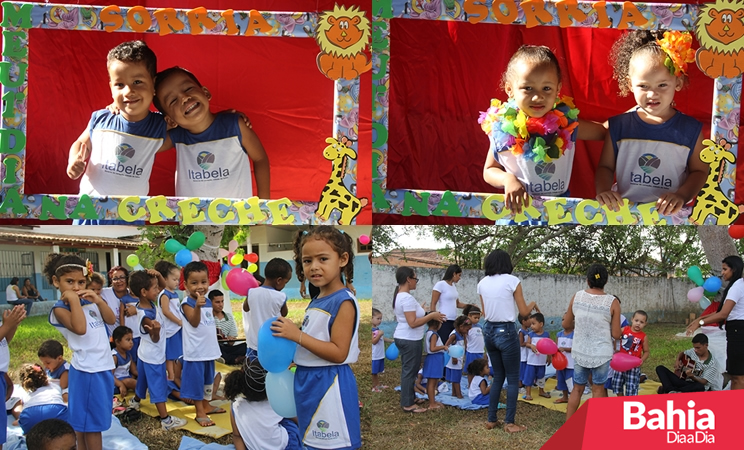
{"x": 339, "y": 202}
{"x": 714, "y": 205}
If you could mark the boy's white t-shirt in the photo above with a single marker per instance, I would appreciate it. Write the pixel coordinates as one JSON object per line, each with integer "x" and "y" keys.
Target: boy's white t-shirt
{"x": 567, "y": 342}
{"x": 149, "y": 351}
{"x": 258, "y": 424}
{"x": 523, "y": 351}
{"x": 378, "y": 349}
{"x": 476, "y": 343}
{"x": 91, "y": 352}
{"x": 122, "y": 370}
{"x": 474, "y": 389}
{"x": 200, "y": 342}
{"x": 448, "y": 295}
{"x": 536, "y": 359}
{"x": 264, "y": 303}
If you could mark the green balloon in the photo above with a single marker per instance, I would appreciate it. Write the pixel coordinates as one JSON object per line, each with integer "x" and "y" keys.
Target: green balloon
{"x": 195, "y": 241}
{"x": 173, "y": 246}
{"x": 132, "y": 260}
{"x": 694, "y": 274}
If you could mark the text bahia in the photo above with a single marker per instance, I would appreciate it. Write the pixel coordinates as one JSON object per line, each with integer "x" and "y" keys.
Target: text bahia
{"x": 690, "y": 419}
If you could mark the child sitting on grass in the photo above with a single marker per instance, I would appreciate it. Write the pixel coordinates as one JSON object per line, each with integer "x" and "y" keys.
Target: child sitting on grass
{"x": 44, "y": 401}
{"x": 51, "y": 355}
{"x": 125, "y": 370}
{"x": 479, "y": 391}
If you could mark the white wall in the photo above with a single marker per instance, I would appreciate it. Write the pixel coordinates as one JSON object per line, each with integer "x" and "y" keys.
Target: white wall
{"x": 663, "y": 299}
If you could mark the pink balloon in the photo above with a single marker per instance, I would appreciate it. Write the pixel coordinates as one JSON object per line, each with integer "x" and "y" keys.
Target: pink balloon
{"x": 240, "y": 281}
{"x": 232, "y": 246}
{"x": 194, "y": 256}
{"x": 222, "y": 253}
{"x": 695, "y": 294}
{"x": 547, "y": 346}
{"x": 623, "y": 362}
{"x": 364, "y": 239}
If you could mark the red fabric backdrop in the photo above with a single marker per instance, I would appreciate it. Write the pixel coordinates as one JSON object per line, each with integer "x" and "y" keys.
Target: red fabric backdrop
{"x": 444, "y": 73}
{"x": 272, "y": 80}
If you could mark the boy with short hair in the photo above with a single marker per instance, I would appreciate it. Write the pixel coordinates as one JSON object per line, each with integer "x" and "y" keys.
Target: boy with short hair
{"x": 266, "y": 301}
{"x": 536, "y": 362}
{"x": 51, "y": 434}
{"x": 200, "y": 346}
{"x": 115, "y": 153}
{"x": 51, "y": 355}
{"x": 634, "y": 342}
{"x": 378, "y": 350}
{"x": 564, "y": 377}
{"x": 146, "y": 285}
{"x": 214, "y": 151}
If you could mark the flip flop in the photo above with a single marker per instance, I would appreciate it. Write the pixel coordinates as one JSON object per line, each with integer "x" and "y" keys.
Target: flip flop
{"x": 216, "y": 410}
{"x": 205, "y": 421}
{"x": 514, "y": 428}
{"x": 415, "y": 410}
{"x": 544, "y": 395}
{"x": 528, "y": 399}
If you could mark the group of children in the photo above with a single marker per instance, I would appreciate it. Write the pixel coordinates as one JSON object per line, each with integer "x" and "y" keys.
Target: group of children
{"x": 325, "y": 385}
{"x": 115, "y": 153}
{"x": 651, "y": 153}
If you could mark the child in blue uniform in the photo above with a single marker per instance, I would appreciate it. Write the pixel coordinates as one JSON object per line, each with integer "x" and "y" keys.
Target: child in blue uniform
{"x": 51, "y": 355}
{"x": 44, "y": 399}
{"x": 125, "y": 371}
{"x": 8, "y": 327}
{"x": 81, "y": 316}
{"x": 325, "y": 388}
{"x": 434, "y": 362}
{"x": 454, "y": 366}
{"x": 170, "y": 304}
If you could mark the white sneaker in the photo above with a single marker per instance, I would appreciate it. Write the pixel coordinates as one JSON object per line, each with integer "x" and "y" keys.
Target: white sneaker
{"x": 134, "y": 404}
{"x": 172, "y": 423}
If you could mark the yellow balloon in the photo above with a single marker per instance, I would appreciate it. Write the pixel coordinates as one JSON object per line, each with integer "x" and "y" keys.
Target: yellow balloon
{"x": 236, "y": 259}
{"x": 252, "y": 268}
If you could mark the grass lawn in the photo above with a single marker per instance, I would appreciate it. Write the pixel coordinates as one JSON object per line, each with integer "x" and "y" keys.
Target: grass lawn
{"x": 385, "y": 426}
{"x": 35, "y": 330}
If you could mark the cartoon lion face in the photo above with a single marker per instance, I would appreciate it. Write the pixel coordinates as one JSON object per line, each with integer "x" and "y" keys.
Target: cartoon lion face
{"x": 720, "y": 26}
{"x": 343, "y": 32}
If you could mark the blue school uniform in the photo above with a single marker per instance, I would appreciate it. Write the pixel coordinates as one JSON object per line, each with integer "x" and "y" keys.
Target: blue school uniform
{"x": 434, "y": 362}
{"x": 453, "y": 373}
{"x": 326, "y": 393}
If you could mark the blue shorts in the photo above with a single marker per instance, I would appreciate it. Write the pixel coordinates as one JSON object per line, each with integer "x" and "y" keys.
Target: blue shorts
{"x": 532, "y": 374}
{"x": 599, "y": 374}
{"x": 561, "y": 376}
{"x": 152, "y": 377}
{"x": 197, "y": 379}
{"x": 522, "y": 370}
{"x": 453, "y": 375}
{"x": 174, "y": 346}
{"x": 294, "y": 441}
{"x": 35, "y": 414}
{"x": 378, "y": 366}
{"x": 470, "y": 357}
{"x": 90, "y": 405}
{"x": 3, "y": 388}
{"x": 433, "y": 366}
{"x": 480, "y": 399}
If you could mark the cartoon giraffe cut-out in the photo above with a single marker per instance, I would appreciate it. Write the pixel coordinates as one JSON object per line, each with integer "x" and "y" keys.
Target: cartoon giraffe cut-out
{"x": 711, "y": 201}
{"x": 335, "y": 195}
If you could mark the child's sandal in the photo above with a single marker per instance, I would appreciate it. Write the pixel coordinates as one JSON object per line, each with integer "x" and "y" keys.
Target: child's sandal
{"x": 205, "y": 421}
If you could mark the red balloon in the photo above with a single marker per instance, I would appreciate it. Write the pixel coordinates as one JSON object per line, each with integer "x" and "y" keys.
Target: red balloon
{"x": 623, "y": 362}
{"x": 547, "y": 346}
{"x": 559, "y": 361}
{"x": 736, "y": 231}
{"x": 251, "y": 257}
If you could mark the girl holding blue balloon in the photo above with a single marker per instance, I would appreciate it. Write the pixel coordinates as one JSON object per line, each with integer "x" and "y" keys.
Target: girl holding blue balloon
{"x": 434, "y": 361}
{"x": 325, "y": 389}
{"x": 458, "y": 337}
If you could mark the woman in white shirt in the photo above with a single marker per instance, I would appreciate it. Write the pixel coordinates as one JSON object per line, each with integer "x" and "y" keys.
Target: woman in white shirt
{"x": 14, "y": 297}
{"x": 409, "y": 334}
{"x": 444, "y": 294}
{"x": 731, "y": 310}
{"x": 501, "y": 295}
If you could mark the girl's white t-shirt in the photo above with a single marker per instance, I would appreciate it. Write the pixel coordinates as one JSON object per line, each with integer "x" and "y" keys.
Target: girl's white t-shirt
{"x": 460, "y": 361}
{"x": 476, "y": 343}
{"x": 447, "y": 303}
{"x": 427, "y": 344}
{"x": 404, "y": 302}
{"x": 497, "y": 292}
{"x": 258, "y": 424}
{"x": 91, "y": 352}
{"x": 474, "y": 389}
{"x": 736, "y": 294}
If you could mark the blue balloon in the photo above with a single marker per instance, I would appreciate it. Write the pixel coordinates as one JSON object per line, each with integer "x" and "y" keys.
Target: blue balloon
{"x": 446, "y": 358}
{"x": 456, "y": 351}
{"x": 274, "y": 353}
{"x": 392, "y": 352}
{"x": 183, "y": 257}
{"x": 280, "y": 390}
{"x": 712, "y": 284}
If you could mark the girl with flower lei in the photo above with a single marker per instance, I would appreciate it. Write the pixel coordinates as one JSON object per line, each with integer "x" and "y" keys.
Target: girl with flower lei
{"x": 532, "y": 134}
{"x": 653, "y": 151}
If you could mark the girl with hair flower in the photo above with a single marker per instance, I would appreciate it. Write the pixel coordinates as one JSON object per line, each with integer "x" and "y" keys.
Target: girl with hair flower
{"x": 533, "y": 133}
{"x": 652, "y": 151}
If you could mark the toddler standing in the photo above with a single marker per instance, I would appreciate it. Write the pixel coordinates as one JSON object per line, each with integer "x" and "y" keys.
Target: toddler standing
{"x": 634, "y": 342}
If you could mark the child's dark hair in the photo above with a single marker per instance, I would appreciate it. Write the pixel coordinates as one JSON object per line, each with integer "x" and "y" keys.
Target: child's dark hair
{"x": 46, "y": 431}
{"x": 700, "y": 338}
{"x": 278, "y": 268}
{"x": 596, "y": 276}
{"x": 115, "y": 269}
{"x": 539, "y": 317}
{"x": 214, "y": 294}
{"x": 462, "y": 320}
{"x": 120, "y": 332}
{"x": 248, "y": 381}
{"x": 32, "y": 377}
{"x": 630, "y": 44}
{"x": 432, "y": 322}
{"x": 97, "y": 278}
{"x": 470, "y": 309}
{"x": 376, "y": 312}
{"x": 50, "y": 349}
{"x": 58, "y": 264}
{"x": 165, "y": 267}
{"x": 498, "y": 262}
{"x": 641, "y": 312}
{"x": 163, "y": 75}
{"x": 140, "y": 279}
{"x": 476, "y": 367}
{"x": 338, "y": 240}
{"x": 134, "y": 52}
{"x": 194, "y": 266}
{"x": 522, "y": 318}
{"x": 536, "y": 55}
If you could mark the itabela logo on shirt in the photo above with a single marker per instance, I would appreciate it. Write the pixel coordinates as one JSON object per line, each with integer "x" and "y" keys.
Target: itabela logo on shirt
{"x": 205, "y": 160}
{"x": 324, "y": 434}
{"x": 118, "y": 166}
{"x": 545, "y": 170}
{"x": 648, "y": 163}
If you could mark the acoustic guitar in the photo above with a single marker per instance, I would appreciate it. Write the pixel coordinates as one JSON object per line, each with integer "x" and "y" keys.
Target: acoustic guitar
{"x": 685, "y": 363}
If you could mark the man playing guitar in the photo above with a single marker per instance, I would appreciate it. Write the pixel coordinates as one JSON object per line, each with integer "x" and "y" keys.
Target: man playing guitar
{"x": 695, "y": 370}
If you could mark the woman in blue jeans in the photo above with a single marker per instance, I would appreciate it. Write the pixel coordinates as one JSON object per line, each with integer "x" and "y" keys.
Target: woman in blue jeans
{"x": 499, "y": 291}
